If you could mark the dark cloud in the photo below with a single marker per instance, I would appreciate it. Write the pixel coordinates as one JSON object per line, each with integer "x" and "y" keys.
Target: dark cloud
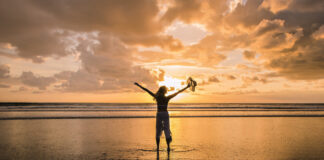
{"x": 37, "y": 92}
{"x": 80, "y": 81}
{"x": 247, "y": 81}
{"x": 249, "y": 14}
{"x": 213, "y": 79}
{"x": 152, "y": 56}
{"x": 319, "y": 34}
{"x": 4, "y": 86}
{"x": 29, "y": 29}
{"x": 287, "y": 35}
{"x": 267, "y": 25}
{"x": 306, "y": 5}
{"x": 123, "y": 16}
{"x": 249, "y": 55}
{"x": 4, "y": 71}
{"x": 107, "y": 66}
{"x": 23, "y": 89}
{"x": 41, "y": 82}
{"x": 238, "y": 92}
{"x": 209, "y": 80}
{"x": 184, "y": 10}
{"x": 164, "y": 41}
{"x": 100, "y": 32}
{"x": 34, "y": 26}
{"x": 230, "y": 77}
{"x": 306, "y": 63}
{"x": 248, "y": 68}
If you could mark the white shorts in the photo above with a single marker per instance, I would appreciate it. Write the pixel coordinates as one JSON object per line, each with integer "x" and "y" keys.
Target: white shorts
{"x": 162, "y": 124}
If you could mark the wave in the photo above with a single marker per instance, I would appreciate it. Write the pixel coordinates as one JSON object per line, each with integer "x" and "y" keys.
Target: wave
{"x": 30, "y": 111}
{"x": 152, "y": 106}
{"x": 154, "y": 110}
{"x": 126, "y": 117}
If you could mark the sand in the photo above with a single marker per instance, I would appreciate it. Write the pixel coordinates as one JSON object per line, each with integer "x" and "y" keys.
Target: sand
{"x": 193, "y": 138}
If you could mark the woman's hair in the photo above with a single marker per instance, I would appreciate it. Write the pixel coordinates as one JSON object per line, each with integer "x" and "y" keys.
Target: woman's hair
{"x": 161, "y": 92}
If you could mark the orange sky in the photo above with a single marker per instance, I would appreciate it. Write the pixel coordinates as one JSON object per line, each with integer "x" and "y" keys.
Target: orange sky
{"x": 93, "y": 51}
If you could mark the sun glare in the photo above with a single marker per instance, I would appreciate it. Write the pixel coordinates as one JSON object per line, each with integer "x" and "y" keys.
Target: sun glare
{"x": 173, "y": 84}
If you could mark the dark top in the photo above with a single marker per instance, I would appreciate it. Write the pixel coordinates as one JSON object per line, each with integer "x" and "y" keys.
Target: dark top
{"x": 162, "y": 103}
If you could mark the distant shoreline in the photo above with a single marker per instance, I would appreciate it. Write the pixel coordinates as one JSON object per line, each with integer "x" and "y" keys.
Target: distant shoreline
{"x": 126, "y": 103}
{"x": 128, "y": 117}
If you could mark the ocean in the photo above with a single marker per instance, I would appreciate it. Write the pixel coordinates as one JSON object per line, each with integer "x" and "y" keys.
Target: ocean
{"x": 12, "y": 111}
{"x": 86, "y": 131}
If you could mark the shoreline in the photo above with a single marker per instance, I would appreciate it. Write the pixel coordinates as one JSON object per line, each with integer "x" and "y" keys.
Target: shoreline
{"x": 134, "y": 117}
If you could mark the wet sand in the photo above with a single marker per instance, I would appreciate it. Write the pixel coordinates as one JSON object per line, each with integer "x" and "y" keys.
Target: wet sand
{"x": 193, "y": 138}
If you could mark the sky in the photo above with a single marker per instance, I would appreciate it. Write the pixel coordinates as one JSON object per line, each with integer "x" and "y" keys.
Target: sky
{"x": 239, "y": 51}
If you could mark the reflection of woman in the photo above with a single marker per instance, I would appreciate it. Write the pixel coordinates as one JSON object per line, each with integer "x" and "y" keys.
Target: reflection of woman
{"x": 162, "y": 115}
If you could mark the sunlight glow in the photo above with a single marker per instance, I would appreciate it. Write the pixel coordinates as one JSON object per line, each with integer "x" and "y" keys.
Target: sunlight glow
{"x": 173, "y": 84}
{"x": 188, "y": 34}
{"x": 232, "y": 4}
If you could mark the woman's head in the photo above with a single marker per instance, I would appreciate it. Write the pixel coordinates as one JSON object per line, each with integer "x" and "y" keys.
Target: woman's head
{"x": 162, "y": 91}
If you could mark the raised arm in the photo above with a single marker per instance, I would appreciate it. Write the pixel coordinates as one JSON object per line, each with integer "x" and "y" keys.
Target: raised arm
{"x": 174, "y": 94}
{"x": 145, "y": 89}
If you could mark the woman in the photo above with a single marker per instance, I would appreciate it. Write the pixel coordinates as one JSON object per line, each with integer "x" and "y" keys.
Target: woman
{"x": 162, "y": 115}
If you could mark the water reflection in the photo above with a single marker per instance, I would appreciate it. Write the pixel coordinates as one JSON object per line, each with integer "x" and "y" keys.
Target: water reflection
{"x": 194, "y": 138}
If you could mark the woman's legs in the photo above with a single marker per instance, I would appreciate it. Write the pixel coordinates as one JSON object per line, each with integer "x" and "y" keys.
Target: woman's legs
{"x": 159, "y": 128}
{"x": 167, "y": 132}
{"x": 157, "y": 143}
{"x": 163, "y": 124}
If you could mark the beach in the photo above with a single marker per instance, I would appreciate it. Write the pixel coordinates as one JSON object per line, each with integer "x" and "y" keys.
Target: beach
{"x": 117, "y": 135}
{"x": 193, "y": 138}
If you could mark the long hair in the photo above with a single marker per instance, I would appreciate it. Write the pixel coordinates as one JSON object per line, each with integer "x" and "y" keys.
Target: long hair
{"x": 161, "y": 92}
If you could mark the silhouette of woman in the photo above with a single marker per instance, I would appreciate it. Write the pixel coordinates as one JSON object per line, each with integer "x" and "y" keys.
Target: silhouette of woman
{"x": 162, "y": 115}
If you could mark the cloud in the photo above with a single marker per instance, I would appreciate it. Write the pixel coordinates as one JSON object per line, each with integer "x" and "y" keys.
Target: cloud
{"x": 105, "y": 66}
{"x": 249, "y": 55}
{"x": 239, "y": 92}
{"x": 230, "y": 77}
{"x": 40, "y": 82}
{"x": 29, "y": 30}
{"x": 152, "y": 56}
{"x": 80, "y": 81}
{"x": 105, "y": 36}
{"x": 166, "y": 42}
{"x": 276, "y": 5}
{"x": 306, "y": 5}
{"x": 102, "y": 34}
{"x": 285, "y": 34}
{"x": 4, "y": 86}
{"x": 251, "y": 80}
{"x": 161, "y": 75}
{"x": 213, "y": 79}
{"x": 267, "y": 25}
{"x": 184, "y": 10}
{"x": 249, "y": 14}
{"x": 34, "y": 27}
{"x": 248, "y": 68}
{"x": 319, "y": 34}
{"x": 254, "y": 79}
{"x": 4, "y": 71}
{"x": 23, "y": 89}
{"x": 304, "y": 64}
{"x": 204, "y": 55}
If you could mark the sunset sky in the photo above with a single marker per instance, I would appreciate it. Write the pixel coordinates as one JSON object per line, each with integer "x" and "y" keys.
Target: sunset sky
{"x": 93, "y": 51}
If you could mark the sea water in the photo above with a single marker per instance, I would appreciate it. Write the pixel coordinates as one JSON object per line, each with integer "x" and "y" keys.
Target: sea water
{"x": 127, "y": 131}
{"x": 148, "y": 110}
